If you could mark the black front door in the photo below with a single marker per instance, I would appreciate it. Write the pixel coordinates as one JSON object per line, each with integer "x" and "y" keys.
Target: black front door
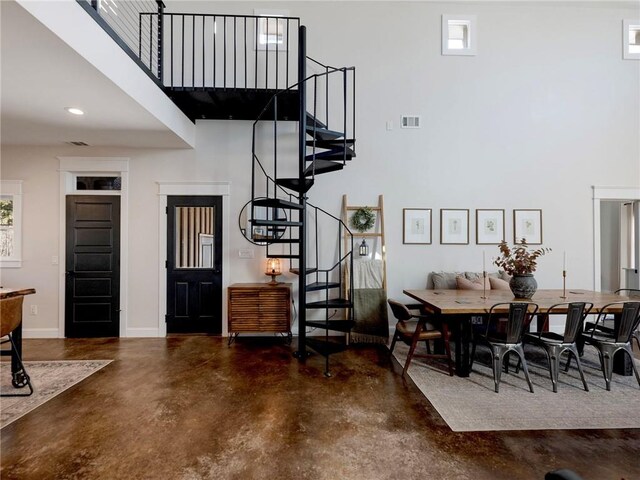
{"x": 194, "y": 265}
{"x": 92, "y": 299}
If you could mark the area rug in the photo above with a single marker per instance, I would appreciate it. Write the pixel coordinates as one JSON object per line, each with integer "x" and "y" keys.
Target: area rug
{"x": 471, "y": 404}
{"x": 48, "y": 379}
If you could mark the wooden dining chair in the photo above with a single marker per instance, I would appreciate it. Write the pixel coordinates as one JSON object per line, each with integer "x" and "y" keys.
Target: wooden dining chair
{"x": 502, "y": 343}
{"x": 555, "y": 344}
{"x": 412, "y": 329}
{"x": 10, "y": 318}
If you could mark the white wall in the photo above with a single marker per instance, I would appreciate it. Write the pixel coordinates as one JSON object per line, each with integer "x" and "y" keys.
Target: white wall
{"x": 546, "y": 109}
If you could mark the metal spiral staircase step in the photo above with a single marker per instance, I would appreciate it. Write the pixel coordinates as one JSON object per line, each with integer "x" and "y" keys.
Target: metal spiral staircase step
{"x": 337, "y": 153}
{"x": 323, "y": 133}
{"x": 276, "y": 203}
{"x": 311, "y": 120}
{"x": 331, "y": 303}
{"x": 319, "y": 167}
{"x": 296, "y": 271}
{"x": 282, "y": 255}
{"x": 333, "y": 325}
{"x": 312, "y": 287}
{"x": 275, "y": 240}
{"x": 294, "y": 184}
{"x": 276, "y": 223}
{"x": 338, "y": 143}
{"x": 325, "y": 347}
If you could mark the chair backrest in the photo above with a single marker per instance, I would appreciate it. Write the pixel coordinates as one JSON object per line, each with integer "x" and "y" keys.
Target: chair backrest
{"x": 519, "y": 317}
{"x": 629, "y": 319}
{"x": 629, "y": 292}
{"x": 400, "y": 311}
{"x": 576, "y": 312}
{"x": 10, "y": 314}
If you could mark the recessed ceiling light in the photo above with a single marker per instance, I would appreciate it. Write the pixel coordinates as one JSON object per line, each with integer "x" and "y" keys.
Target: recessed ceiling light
{"x": 74, "y": 110}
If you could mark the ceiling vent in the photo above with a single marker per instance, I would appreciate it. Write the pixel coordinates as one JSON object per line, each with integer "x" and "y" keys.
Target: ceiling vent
{"x": 410, "y": 121}
{"x": 78, "y": 144}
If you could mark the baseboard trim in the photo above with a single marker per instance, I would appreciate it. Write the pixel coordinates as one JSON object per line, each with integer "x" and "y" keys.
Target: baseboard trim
{"x": 40, "y": 333}
{"x": 143, "y": 332}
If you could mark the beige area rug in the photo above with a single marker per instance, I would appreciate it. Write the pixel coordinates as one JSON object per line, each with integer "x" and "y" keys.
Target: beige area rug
{"x": 48, "y": 379}
{"x": 471, "y": 404}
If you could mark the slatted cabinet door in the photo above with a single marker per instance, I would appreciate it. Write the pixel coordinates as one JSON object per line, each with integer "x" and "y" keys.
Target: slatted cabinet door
{"x": 259, "y": 307}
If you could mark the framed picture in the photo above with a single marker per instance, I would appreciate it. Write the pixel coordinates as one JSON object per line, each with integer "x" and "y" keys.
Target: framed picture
{"x": 416, "y": 226}
{"x": 527, "y": 224}
{"x": 454, "y": 226}
{"x": 489, "y": 226}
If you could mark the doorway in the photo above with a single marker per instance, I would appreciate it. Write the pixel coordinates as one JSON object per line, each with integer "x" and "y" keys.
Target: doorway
{"x": 194, "y": 264}
{"x": 92, "y": 268}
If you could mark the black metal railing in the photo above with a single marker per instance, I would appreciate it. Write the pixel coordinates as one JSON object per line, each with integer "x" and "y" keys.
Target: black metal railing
{"x": 223, "y": 51}
{"x": 195, "y": 51}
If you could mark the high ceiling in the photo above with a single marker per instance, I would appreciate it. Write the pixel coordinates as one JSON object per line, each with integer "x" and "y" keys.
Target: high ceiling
{"x": 41, "y": 75}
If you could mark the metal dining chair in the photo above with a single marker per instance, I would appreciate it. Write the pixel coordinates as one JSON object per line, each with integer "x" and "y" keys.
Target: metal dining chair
{"x": 501, "y": 344}
{"x": 10, "y": 318}
{"x": 632, "y": 293}
{"x": 608, "y": 341}
{"x": 555, "y": 344}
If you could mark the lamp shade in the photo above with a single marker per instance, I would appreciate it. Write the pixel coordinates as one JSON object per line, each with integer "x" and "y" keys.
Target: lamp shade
{"x": 273, "y": 269}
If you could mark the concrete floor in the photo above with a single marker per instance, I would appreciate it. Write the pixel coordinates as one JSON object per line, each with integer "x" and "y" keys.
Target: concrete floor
{"x": 192, "y": 408}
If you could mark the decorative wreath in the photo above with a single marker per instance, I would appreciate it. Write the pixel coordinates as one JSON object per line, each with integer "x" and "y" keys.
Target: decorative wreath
{"x": 363, "y": 219}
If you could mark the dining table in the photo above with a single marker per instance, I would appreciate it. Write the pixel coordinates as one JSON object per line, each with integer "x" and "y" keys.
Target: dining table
{"x": 16, "y": 372}
{"x": 461, "y": 309}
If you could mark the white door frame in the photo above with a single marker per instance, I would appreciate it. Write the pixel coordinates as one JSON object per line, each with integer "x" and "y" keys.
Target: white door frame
{"x": 606, "y": 193}
{"x": 70, "y": 167}
{"x": 213, "y": 189}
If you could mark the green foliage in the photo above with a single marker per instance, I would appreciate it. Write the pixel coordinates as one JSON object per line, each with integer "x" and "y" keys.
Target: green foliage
{"x": 519, "y": 260}
{"x": 6, "y": 212}
{"x": 362, "y": 219}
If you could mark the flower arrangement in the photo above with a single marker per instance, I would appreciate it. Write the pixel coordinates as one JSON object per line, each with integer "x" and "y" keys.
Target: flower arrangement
{"x": 363, "y": 219}
{"x": 519, "y": 260}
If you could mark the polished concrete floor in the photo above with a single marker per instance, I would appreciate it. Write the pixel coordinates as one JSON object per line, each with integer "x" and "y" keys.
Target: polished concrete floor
{"x": 192, "y": 408}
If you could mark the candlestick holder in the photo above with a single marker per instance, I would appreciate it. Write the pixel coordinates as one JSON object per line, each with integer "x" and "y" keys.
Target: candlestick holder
{"x": 564, "y": 284}
{"x": 484, "y": 285}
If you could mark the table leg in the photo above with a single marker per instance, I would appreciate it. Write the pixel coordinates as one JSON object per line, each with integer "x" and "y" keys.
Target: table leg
{"x": 17, "y": 339}
{"x": 463, "y": 341}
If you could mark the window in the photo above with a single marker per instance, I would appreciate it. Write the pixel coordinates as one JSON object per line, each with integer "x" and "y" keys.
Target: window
{"x": 11, "y": 223}
{"x": 459, "y": 35}
{"x": 273, "y": 29}
{"x": 631, "y": 39}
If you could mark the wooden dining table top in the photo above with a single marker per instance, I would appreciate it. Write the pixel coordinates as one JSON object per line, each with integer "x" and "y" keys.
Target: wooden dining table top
{"x": 6, "y": 292}
{"x": 452, "y": 302}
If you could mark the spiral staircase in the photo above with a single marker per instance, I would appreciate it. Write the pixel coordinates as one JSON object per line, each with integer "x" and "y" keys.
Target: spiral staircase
{"x": 289, "y": 226}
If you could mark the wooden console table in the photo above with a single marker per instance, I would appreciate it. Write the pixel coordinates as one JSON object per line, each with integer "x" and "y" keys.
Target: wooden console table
{"x": 259, "y": 307}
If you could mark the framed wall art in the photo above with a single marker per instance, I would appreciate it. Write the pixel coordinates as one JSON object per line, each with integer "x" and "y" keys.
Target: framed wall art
{"x": 527, "y": 224}
{"x": 416, "y": 226}
{"x": 454, "y": 226}
{"x": 489, "y": 226}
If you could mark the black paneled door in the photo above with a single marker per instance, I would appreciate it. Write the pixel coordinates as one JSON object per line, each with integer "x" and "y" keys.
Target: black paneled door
{"x": 194, "y": 264}
{"x": 92, "y": 301}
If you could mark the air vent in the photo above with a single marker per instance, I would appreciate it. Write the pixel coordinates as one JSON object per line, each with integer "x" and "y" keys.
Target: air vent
{"x": 78, "y": 144}
{"x": 410, "y": 121}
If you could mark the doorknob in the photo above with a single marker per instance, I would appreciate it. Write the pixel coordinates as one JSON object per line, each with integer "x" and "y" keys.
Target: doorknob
{"x": 70, "y": 273}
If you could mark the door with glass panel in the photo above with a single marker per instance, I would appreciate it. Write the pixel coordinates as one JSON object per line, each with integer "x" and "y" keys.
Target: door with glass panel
{"x": 194, "y": 264}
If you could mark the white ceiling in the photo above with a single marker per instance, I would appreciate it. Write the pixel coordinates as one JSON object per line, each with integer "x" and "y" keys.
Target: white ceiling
{"x": 41, "y": 75}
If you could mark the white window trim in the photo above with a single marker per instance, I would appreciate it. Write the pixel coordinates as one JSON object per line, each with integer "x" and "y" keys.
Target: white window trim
{"x": 13, "y": 188}
{"x": 626, "y": 54}
{"x": 473, "y": 35}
